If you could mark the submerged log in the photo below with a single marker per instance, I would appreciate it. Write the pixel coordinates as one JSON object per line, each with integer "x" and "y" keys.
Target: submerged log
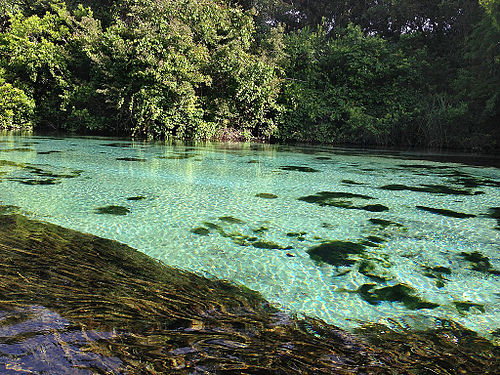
{"x": 74, "y": 303}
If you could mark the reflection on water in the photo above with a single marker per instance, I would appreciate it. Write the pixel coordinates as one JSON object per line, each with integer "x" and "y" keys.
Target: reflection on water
{"x": 343, "y": 235}
{"x": 36, "y": 340}
{"x": 73, "y": 303}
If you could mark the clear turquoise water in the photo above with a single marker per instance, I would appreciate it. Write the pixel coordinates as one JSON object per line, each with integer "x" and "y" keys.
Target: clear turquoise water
{"x": 186, "y": 187}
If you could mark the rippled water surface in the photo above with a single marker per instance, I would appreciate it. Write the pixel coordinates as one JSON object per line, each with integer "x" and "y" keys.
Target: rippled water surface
{"x": 346, "y": 236}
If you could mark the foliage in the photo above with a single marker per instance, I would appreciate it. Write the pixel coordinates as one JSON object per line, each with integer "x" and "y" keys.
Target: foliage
{"x": 348, "y": 89}
{"x": 386, "y": 72}
{"x": 16, "y": 107}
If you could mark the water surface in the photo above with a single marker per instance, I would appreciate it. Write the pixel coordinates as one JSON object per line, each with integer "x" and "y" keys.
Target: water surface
{"x": 348, "y": 237}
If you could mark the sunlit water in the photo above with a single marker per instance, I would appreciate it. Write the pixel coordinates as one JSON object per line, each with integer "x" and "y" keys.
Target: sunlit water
{"x": 198, "y": 208}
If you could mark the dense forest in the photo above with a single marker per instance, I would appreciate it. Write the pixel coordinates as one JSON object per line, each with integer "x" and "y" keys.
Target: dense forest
{"x": 419, "y": 73}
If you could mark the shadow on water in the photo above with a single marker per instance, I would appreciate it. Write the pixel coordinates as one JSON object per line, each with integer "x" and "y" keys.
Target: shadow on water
{"x": 73, "y": 303}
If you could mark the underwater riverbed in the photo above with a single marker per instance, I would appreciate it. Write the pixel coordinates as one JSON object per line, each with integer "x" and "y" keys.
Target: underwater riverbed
{"x": 346, "y": 236}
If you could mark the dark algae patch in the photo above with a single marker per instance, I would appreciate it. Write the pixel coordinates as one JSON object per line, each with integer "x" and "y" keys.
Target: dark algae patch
{"x": 112, "y": 210}
{"x": 351, "y": 182}
{"x": 438, "y": 273}
{"x": 336, "y": 253}
{"x": 433, "y": 189}
{"x": 132, "y": 159}
{"x": 398, "y": 293}
{"x": 375, "y": 208}
{"x": 48, "y": 152}
{"x": 261, "y": 244}
{"x": 383, "y": 223}
{"x": 38, "y": 174}
{"x": 137, "y": 198}
{"x": 18, "y": 149}
{"x": 200, "y": 231}
{"x": 445, "y": 212}
{"x": 231, "y": 220}
{"x": 297, "y": 168}
{"x": 73, "y": 303}
{"x": 266, "y": 195}
{"x": 479, "y": 262}
{"x": 330, "y": 198}
{"x": 464, "y": 307}
{"x": 494, "y": 213}
{"x": 370, "y": 270}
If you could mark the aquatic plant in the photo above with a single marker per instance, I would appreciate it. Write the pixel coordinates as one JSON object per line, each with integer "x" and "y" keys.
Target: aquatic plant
{"x": 115, "y": 310}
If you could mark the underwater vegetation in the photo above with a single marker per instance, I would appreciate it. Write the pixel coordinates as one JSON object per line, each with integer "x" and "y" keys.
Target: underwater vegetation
{"x": 76, "y": 303}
